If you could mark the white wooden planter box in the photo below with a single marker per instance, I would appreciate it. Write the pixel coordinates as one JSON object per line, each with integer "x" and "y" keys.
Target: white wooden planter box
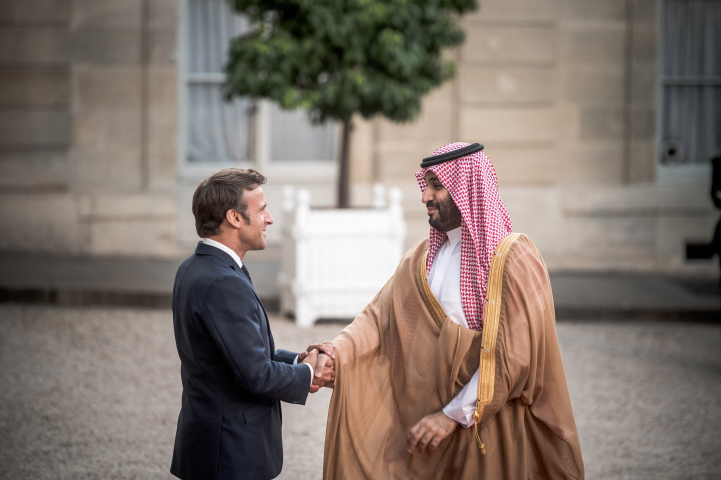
{"x": 334, "y": 261}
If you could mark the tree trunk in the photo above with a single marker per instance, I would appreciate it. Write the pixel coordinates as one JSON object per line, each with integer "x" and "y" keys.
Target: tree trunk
{"x": 344, "y": 167}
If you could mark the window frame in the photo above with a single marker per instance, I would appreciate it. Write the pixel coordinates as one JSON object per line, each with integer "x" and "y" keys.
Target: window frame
{"x": 277, "y": 171}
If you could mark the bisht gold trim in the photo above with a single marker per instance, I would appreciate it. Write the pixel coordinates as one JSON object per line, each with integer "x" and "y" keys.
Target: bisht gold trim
{"x": 434, "y": 306}
{"x": 487, "y": 368}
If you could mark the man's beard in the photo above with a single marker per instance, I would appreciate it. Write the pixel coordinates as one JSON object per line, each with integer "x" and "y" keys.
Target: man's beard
{"x": 448, "y": 216}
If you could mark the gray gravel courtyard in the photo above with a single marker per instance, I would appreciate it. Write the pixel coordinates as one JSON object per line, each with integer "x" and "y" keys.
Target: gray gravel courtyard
{"x": 94, "y": 393}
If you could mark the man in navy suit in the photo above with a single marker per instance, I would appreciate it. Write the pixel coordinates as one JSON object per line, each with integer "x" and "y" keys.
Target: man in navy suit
{"x": 229, "y": 425}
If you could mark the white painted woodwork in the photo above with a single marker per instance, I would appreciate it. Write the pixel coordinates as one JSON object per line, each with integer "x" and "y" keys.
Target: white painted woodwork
{"x": 334, "y": 261}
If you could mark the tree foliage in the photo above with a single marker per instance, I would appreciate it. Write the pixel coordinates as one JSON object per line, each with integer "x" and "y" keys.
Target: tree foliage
{"x": 336, "y": 58}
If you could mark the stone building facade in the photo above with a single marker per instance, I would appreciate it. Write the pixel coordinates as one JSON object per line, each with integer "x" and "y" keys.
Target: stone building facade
{"x": 566, "y": 95}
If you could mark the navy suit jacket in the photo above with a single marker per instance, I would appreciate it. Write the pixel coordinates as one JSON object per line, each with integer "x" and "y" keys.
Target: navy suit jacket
{"x": 233, "y": 379}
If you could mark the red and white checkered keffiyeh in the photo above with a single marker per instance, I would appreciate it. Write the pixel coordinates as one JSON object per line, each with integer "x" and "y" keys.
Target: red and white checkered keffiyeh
{"x": 472, "y": 183}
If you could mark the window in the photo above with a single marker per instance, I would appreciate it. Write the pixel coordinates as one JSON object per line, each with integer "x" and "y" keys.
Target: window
{"x": 690, "y": 82}
{"x": 242, "y": 132}
{"x": 293, "y": 137}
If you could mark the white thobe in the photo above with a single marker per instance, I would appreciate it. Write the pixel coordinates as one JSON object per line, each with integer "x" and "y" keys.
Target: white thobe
{"x": 445, "y": 281}
{"x": 234, "y": 256}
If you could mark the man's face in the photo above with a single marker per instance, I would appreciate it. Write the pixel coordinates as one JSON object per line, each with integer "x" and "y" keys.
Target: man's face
{"x": 251, "y": 234}
{"x": 443, "y": 214}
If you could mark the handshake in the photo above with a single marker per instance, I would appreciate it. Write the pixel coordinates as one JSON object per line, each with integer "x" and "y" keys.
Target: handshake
{"x": 320, "y": 356}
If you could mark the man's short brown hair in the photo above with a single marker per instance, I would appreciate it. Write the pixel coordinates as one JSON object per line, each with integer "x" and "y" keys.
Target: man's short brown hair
{"x": 219, "y": 193}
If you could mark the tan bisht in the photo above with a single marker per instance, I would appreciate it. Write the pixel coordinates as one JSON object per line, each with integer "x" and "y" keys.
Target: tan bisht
{"x": 402, "y": 359}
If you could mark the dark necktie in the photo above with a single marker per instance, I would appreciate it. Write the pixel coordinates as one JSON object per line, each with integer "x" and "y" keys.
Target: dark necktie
{"x": 245, "y": 270}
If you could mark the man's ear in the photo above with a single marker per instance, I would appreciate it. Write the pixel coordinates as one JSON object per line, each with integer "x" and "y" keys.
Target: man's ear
{"x": 233, "y": 218}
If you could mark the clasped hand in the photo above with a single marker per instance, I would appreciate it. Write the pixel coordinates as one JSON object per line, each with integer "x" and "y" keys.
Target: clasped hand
{"x": 320, "y": 356}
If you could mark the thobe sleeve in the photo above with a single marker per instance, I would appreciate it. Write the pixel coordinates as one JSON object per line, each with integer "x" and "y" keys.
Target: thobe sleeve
{"x": 360, "y": 340}
{"x": 462, "y": 406}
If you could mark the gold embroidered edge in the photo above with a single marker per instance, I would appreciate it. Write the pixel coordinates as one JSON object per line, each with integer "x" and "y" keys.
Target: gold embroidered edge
{"x": 434, "y": 306}
{"x": 487, "y": 367}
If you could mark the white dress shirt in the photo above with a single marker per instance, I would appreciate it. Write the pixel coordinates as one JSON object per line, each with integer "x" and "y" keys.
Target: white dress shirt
{"x": 445, "y": 281}
{"x": 237, "y": 259}
{"x": 229, "y": 251}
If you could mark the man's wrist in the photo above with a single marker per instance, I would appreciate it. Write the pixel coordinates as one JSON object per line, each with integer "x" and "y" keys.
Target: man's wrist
{"x": 312, "y": 372}
{"x": 451, "y": 417}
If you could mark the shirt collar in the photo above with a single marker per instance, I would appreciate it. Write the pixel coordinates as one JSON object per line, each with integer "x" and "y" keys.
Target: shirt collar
{"x": 233, "y": 255}
{"x": 454, "y": 236}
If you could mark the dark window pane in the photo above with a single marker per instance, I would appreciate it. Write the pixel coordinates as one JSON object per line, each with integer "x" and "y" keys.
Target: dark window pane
{"x": 691, "y": 81}
{"x": 294, "y": 137}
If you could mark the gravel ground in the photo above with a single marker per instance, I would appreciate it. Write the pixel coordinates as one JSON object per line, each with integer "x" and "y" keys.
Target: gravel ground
{"x": 94, "y": 393}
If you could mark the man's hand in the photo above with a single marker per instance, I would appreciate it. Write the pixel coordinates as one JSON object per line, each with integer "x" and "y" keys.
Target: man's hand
{"x": 430, "y": 431}
{"x": 325, "y": 359}
{"x": 326, "y": 347}
{"x": 324, "y": 371}
{"x": 311, "y": 358}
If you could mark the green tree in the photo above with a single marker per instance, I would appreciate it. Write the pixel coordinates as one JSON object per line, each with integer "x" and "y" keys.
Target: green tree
{"x": 336, "y": 58}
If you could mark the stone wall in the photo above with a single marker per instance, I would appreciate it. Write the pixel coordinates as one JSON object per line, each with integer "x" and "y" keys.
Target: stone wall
{"x": 88, "y": 126}
{"x": 35, "y": 132}
{"x": 563, "y": 95}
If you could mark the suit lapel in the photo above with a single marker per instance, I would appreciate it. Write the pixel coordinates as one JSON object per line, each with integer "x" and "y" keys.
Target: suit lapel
{"x": 269, "y": 337}
{"x": 242, "y": 272}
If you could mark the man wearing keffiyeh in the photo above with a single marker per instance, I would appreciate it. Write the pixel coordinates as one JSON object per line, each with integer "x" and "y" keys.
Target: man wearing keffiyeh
{"x": 463, "y": 335}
